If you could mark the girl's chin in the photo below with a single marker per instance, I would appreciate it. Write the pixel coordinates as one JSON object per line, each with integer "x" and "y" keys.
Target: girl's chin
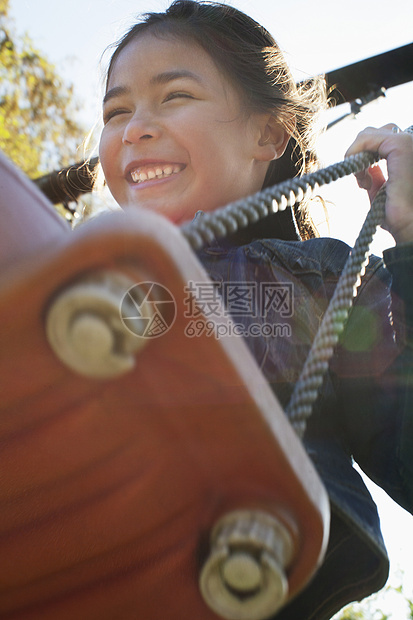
{"x": 176, "y": 216}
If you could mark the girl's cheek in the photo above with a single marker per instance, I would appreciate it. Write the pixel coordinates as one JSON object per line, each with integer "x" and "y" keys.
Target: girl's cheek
{"x": 107, "y": 148}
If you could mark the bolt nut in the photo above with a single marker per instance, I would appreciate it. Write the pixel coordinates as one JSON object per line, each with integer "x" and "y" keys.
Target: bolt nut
{"x": 242, "y": 572}
{"x": 85, "y": 330}
{"x": 91, "y": 336}
{"x": 244, "y": 575}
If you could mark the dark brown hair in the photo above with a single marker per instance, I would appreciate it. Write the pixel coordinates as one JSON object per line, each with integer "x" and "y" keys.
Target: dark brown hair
{"x": 255, "y": 65}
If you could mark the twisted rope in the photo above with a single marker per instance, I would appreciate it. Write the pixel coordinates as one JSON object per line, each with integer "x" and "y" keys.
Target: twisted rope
{"x": 240, "y": 214}
{"x": 315, "y": 367}
{"x": 311, "y": 378}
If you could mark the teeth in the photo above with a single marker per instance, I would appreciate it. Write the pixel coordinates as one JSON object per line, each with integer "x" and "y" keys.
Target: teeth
{"x": 152, "y": 173}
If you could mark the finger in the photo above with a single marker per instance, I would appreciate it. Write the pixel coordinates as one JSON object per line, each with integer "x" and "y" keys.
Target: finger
{"x": 373, "y": 139}
{"x": 377, "y": 181}
{"x": 363, "y": 178}
{"x": 371, "y": 179}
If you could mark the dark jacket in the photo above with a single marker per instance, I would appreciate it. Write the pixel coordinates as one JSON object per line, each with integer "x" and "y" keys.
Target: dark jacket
{"x": 365, "y": 410}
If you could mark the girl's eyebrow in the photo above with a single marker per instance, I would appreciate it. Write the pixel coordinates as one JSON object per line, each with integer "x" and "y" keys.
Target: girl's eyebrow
{"x": 160, "y": 78}
{"x": 169, "y": 76}
{"x": 116, "y": 91}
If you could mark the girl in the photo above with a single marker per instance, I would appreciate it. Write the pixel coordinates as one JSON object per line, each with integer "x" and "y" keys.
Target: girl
{"x": 201, "y": 110}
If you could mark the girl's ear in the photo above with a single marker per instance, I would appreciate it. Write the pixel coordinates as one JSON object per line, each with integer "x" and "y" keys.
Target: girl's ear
{"x": 273, "y": 139}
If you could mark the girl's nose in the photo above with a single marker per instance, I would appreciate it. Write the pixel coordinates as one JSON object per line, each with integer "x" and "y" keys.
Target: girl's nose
{"x": 140, "y": 128}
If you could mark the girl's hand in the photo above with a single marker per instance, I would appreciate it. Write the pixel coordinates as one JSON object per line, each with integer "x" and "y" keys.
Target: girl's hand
{"x": 397, "y": 149}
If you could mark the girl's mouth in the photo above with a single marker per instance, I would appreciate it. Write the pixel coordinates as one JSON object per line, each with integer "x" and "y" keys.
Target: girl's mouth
{"x": 154, "y": 172}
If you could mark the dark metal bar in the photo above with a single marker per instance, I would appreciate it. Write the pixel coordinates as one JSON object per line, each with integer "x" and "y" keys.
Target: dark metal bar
{"x": 361, "y": 78}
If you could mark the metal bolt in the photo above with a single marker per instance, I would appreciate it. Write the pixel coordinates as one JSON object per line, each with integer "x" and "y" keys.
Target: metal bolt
{"x": 85, "y": 329}
{"x": 91, "y": 336}
{"x": 242, "y": 572}
{"x": 244, "y": 575}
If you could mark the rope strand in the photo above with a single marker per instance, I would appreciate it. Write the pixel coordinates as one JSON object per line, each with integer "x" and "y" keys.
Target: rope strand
{"x": 311, "y": 378}
{"x": 240, "y": 214}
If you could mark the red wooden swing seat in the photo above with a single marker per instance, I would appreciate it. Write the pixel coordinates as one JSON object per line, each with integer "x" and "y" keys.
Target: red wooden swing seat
{"x": 109, "y": 487}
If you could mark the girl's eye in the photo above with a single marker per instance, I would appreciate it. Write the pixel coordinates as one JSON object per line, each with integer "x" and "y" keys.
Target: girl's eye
{"x": 112, "y": 113}
{"x": 177, "y": 95}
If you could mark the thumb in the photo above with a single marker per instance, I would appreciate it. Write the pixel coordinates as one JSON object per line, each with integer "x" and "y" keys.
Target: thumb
{"x": 371, "y": 180}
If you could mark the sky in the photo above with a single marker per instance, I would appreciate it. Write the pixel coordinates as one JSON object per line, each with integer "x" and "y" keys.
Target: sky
{"x": 316, "y": 37}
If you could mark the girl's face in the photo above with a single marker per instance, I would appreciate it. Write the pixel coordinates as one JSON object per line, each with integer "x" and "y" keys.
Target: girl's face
{"x": 176, "y": 138}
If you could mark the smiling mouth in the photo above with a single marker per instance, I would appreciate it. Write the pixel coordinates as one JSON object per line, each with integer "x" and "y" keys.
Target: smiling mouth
{"x": 149, "y": 173}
